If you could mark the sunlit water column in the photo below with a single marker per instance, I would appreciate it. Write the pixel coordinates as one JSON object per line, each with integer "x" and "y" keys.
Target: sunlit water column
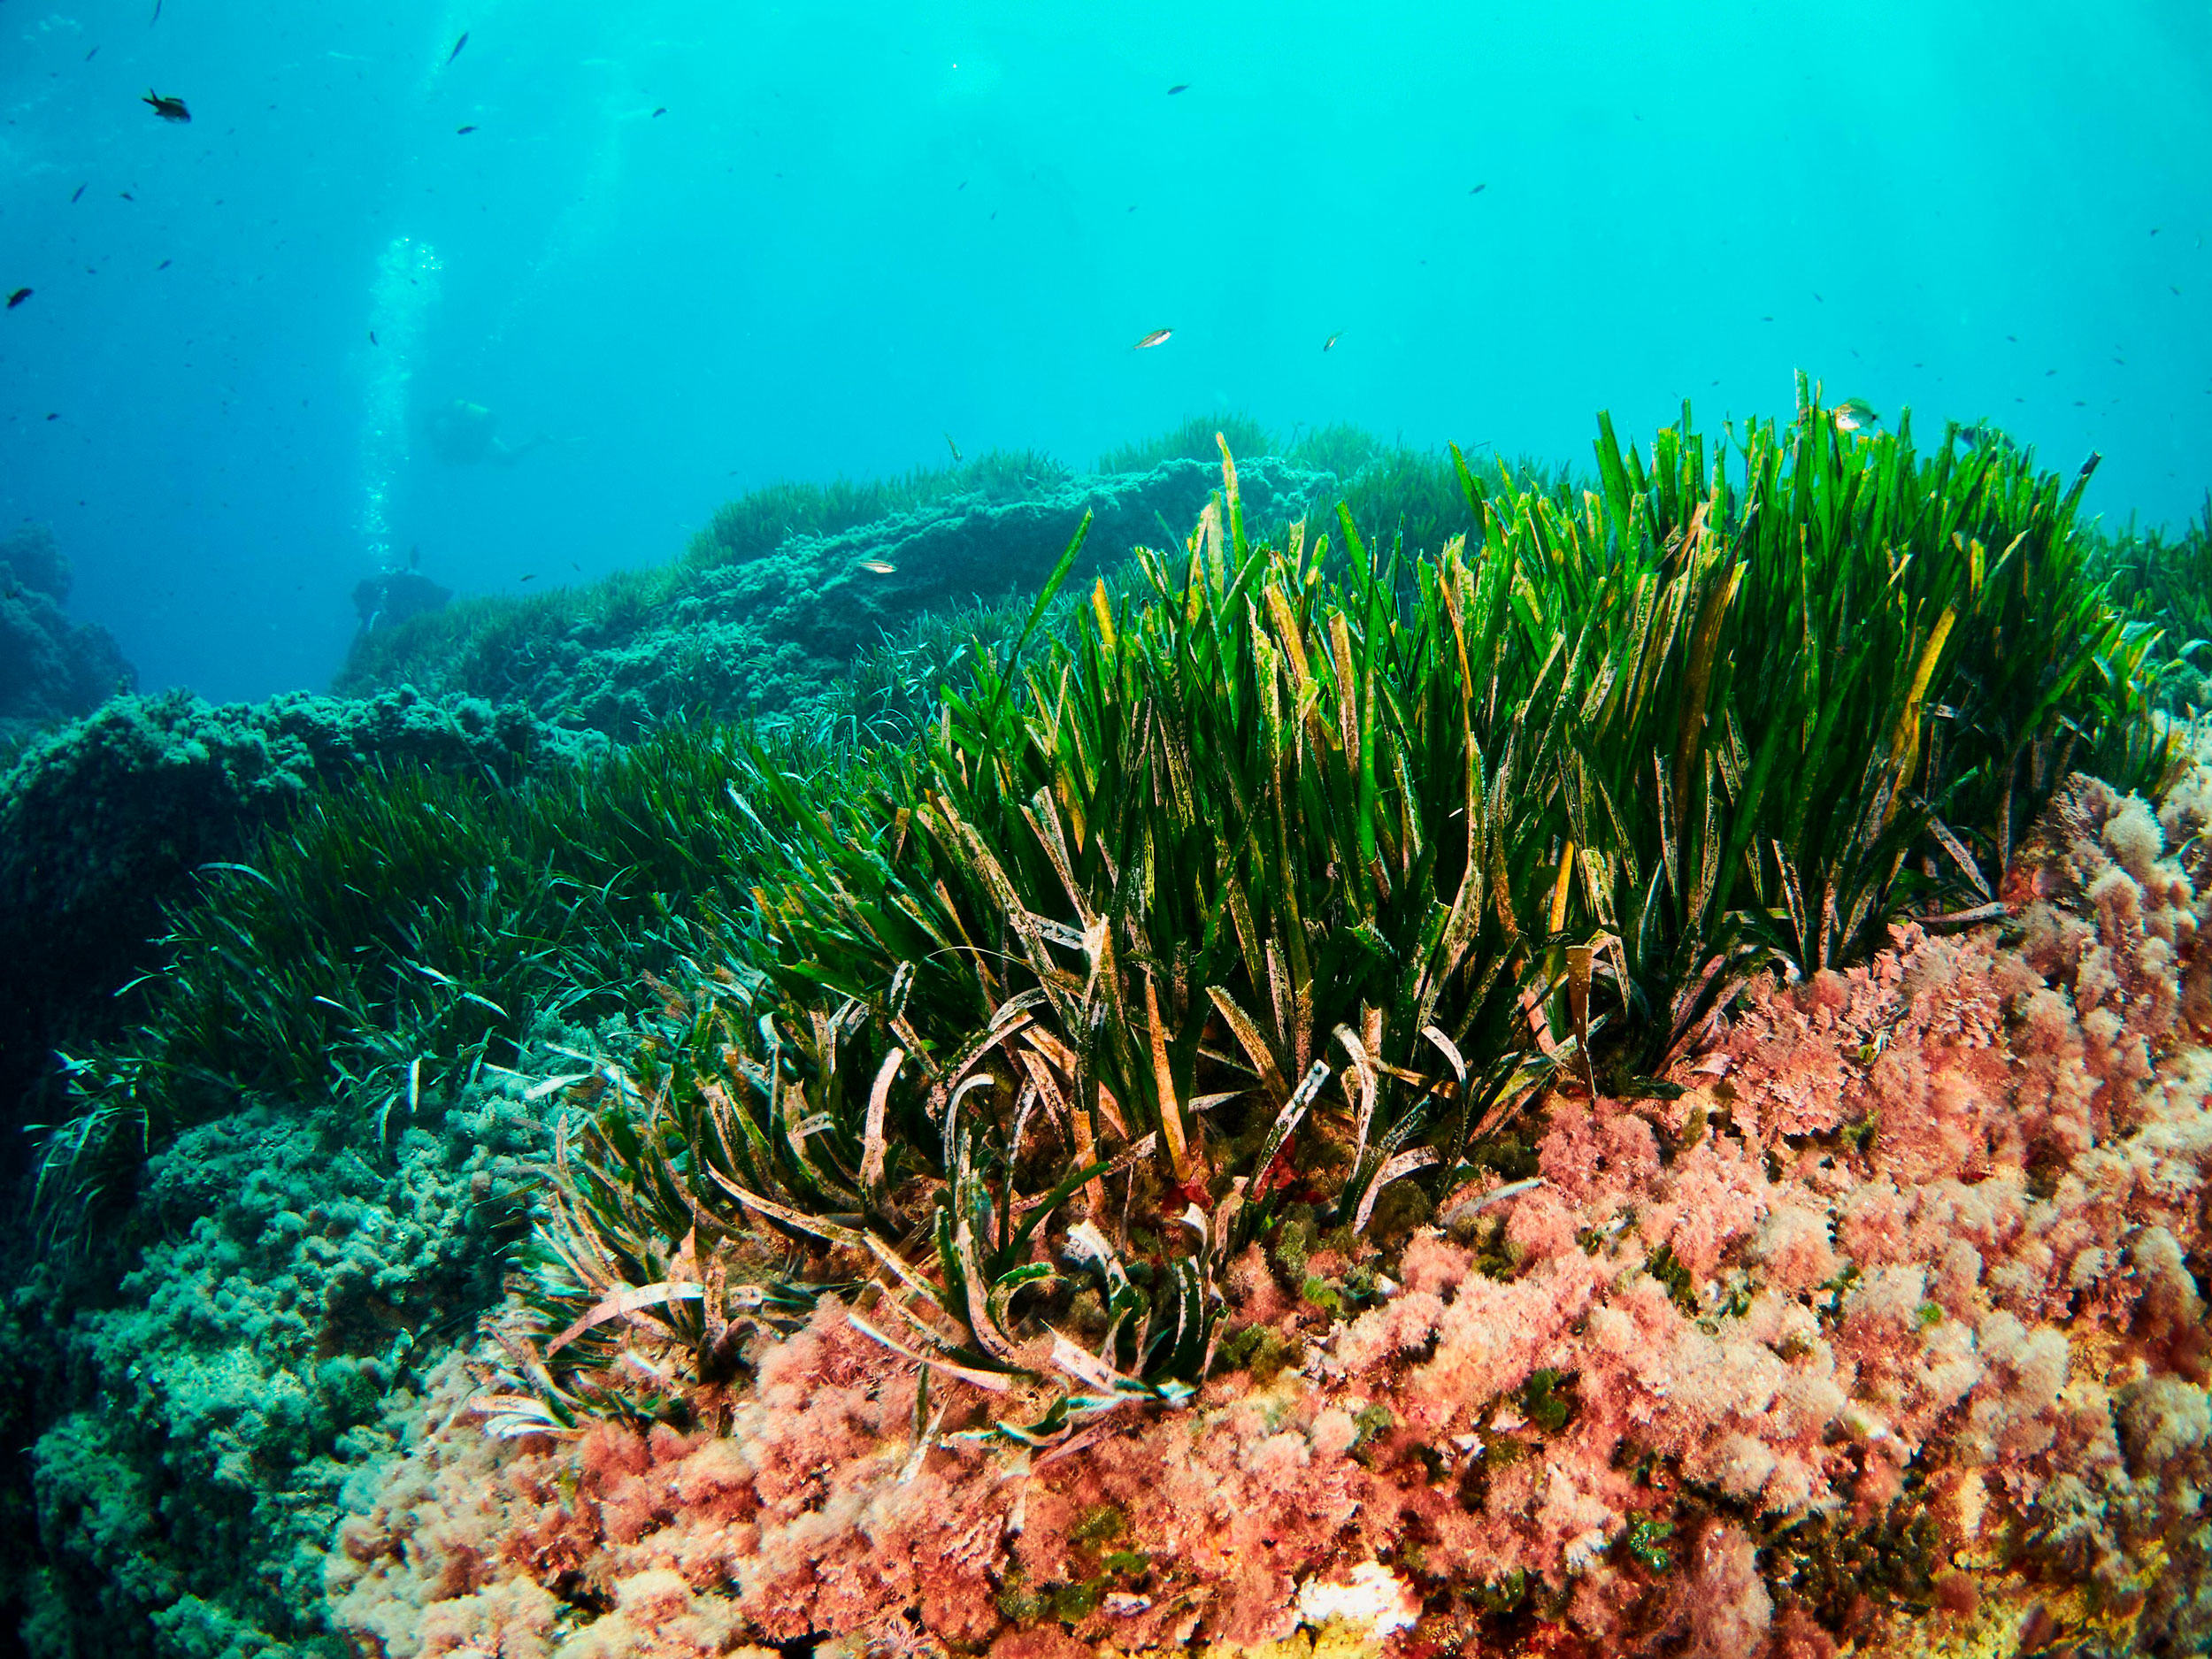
{"x": 406, "y": 286}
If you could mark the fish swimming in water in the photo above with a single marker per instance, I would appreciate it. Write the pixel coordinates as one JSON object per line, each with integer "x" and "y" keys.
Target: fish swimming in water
{"x": 661, "y": 110}
{"x": 1184, "y": 87}
{"x": 78, "y": 191}
{"x": 881, "y": 568}
{"x": 460, "y": 130}
{"x": 1480, "y": 188}
{"x": 955, "y": 448}
{"x": 18, "y": 297}
{"x": 371, "y": 336}
{"x": 168, "y": 108}
{"x": 1330, "y": 343}
{"x": 455, "y": 53}
{"x": 1158, "y": 337}
{"x": 1854, "y": 414}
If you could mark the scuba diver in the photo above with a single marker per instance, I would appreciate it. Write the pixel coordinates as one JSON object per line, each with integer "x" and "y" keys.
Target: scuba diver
{"x": 460, "y": 432}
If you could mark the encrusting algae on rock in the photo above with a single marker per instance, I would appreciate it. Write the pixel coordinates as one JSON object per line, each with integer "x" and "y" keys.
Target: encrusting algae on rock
{"x": 1885, "y": 1334}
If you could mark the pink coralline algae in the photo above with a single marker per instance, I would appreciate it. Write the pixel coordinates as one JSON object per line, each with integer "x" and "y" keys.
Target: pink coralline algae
{"x": 1889, "y": 1326}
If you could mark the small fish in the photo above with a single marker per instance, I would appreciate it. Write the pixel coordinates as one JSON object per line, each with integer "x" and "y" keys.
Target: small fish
{"x": 93, "y": 53}
{"x": 1330, "y": 343}
{"x": 1480, "y": 188}
{"x": 661, "y": 110}
{"x": 1158, "y": 337}
{"x": 1185, "y": 87}
{"x": 78, "y": 191}
{"x": 53, "y": 417}
{"x": 881, "y": 568}
{"x": 18, "y": 297}
{"x": 955, "y": 448}
{"x": 168, "y": 108}
{"x": 164, "y": 266}
{"x": 532, "y": 577}
{"x": 1854, "y": 414}
{"x": 127, "y": 196}
{"x": 459, "y": 130}
{"x": 371, "y": 336}
{"x": 157, "y": 16}
{"x": 455, "y": 53}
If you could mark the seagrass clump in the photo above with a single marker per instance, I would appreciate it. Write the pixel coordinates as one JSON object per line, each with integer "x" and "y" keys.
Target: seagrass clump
{"x": 1293, "y": 872}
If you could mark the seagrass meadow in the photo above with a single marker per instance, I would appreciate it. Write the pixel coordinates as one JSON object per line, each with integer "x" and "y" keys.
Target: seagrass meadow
{"x": 1437, "y": 1056}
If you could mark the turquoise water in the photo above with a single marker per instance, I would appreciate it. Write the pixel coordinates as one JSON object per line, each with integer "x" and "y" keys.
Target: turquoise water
{"x": 690, "y": 250}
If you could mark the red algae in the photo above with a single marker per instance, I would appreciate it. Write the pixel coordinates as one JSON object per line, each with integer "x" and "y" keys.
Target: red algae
{"x": 1887, "y": 1332}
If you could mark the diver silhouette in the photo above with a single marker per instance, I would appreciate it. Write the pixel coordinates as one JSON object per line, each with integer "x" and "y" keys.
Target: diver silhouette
{"x": 461, "y": 433}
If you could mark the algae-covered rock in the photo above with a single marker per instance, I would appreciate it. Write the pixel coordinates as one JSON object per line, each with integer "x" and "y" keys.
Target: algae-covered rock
{"x": 766, "y": 633}
{"x": 211, "y": 1406}
{"x": 104, "y": 822}
{"x": 303, "y": 1212}
{"x": 50, "y": 668}
{"x": 35, "y": 560}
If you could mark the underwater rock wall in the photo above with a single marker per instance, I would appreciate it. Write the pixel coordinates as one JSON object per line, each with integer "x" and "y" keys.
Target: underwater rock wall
{"x": 1887, "y": 1332}
{"x": 768, "y": 634}
{"x": 50, "y": 668}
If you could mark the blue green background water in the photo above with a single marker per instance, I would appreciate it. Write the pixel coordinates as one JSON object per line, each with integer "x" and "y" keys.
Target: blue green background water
{"x": 858, "y": 229}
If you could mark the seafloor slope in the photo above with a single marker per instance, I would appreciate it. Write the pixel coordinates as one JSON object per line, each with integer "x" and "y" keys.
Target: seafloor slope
{"x": 1876, "y": 1320}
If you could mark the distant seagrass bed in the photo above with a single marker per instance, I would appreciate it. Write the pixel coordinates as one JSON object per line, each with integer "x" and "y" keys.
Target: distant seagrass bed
{"x": 1539, "y": 1063}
